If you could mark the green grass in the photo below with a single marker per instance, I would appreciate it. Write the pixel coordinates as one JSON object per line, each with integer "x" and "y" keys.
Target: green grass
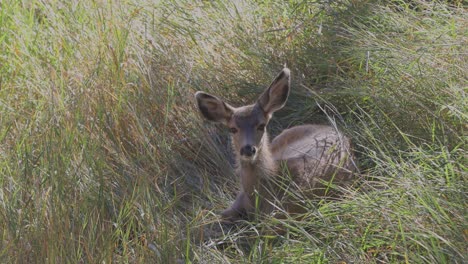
{"x": 103, "y": 157}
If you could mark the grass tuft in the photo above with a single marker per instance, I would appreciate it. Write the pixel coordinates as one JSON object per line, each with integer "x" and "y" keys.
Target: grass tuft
{"x": 103, "y": 157}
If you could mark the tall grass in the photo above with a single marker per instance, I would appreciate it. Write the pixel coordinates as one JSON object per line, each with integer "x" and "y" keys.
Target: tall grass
{"x": 103, "y": 157}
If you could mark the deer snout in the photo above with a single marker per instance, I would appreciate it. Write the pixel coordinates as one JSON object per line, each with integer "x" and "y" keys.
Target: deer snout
{"x": 248, "y": 150}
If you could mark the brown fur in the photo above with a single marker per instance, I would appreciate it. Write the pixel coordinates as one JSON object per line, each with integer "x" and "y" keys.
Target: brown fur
{"x": 312, "y": 154}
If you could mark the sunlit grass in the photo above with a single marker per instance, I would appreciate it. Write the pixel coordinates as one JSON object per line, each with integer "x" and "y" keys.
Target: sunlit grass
{"x": 103, "y": 157}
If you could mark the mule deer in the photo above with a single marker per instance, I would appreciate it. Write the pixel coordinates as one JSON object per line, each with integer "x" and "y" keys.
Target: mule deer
{"x": 313, "y": 154}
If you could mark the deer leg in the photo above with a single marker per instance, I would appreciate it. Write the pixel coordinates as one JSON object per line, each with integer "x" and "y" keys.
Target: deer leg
{"x": 237, "y": 211}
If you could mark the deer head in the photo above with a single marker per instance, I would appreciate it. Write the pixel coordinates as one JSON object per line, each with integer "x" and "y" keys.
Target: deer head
{"x": 247, "y": 124}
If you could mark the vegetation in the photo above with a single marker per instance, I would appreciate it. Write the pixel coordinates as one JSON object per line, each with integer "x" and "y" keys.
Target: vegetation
{"x": 103, "y": 157}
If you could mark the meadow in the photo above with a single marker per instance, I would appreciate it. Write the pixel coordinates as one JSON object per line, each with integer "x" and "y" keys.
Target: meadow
{"x": 104, "y": 157}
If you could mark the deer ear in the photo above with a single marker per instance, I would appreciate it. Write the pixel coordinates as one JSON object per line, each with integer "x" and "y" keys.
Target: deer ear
{"x": 274, "y": 98}
{"x": 213, "y": 108}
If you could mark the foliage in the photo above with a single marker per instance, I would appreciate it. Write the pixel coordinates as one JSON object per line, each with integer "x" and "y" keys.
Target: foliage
{"x": 103, "y": 157}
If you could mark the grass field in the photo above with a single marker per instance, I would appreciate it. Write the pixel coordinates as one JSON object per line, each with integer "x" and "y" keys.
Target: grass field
{"x": 104, "y": 158}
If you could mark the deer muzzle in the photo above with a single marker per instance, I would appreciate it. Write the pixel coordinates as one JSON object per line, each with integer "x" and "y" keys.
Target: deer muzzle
{"x": 248, "y": 151}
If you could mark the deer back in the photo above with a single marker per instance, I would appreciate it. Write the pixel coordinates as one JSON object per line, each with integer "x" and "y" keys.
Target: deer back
{"x": 314, "y": 155}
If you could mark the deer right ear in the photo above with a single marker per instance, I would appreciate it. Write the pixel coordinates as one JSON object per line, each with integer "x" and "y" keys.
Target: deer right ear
{"x": 213, "y": 108}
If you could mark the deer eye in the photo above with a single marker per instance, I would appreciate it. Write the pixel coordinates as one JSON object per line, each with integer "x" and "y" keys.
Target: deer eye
{"x": 233, "y": 130}
{"x": 261, "y": 127}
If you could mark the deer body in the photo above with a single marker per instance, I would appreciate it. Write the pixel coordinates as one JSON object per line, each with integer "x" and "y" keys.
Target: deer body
{"x": 311, "y": 154}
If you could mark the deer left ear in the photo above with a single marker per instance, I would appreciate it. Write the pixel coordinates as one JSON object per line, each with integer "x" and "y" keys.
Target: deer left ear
{"x": 275, "y": 97}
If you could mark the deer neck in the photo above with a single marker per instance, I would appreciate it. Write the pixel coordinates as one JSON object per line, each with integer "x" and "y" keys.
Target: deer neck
{"x": 253, "y": 173}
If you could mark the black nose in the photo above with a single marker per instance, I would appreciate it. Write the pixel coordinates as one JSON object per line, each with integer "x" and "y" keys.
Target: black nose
{"x": 248, "y": 151}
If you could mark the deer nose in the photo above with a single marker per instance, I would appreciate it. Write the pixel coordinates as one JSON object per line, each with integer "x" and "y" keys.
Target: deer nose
{"x": 248, "y": 151}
